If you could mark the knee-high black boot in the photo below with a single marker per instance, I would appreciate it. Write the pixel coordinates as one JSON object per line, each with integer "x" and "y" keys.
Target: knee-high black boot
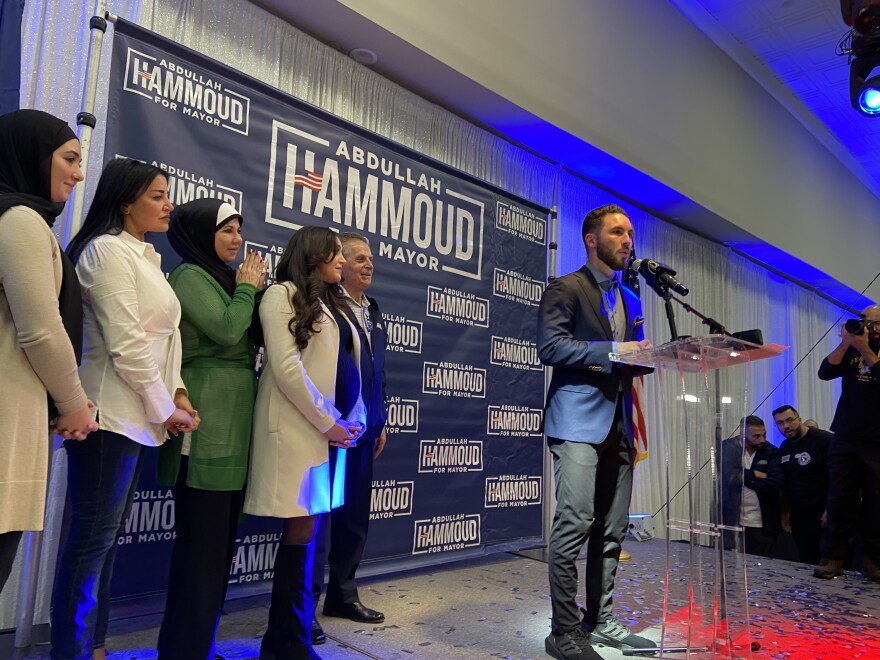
{"x": 289, "y": 635}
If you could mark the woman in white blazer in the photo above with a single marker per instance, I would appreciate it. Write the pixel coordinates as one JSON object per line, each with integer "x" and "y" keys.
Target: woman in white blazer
{"x": 131, "y": 370}
{"x": 308, "y": 409}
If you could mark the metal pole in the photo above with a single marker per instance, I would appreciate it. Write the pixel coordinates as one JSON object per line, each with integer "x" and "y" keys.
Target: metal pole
{"x": 86, "y": 119}
{"x": 548, "y": 463}
{"x": 33, "y": 541}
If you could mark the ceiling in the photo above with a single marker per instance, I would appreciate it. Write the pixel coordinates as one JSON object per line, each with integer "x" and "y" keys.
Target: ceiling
{"x": 787, "y": 46}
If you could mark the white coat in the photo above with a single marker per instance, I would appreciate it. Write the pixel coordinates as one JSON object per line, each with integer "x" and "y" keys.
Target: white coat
{"x": 290, "y": 471}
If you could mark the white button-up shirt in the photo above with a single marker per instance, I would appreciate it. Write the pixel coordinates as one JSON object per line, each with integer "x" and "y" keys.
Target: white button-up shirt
{"x": 131, "y": 342}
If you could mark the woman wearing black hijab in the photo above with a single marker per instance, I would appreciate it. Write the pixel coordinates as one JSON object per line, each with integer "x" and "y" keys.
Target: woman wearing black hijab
{"x": 208, "y": 467}
{"x": 40, "y": 317}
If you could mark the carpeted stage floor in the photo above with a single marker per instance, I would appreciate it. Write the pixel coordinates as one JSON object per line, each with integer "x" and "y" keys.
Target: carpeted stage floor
{"x": 498, "y": 607}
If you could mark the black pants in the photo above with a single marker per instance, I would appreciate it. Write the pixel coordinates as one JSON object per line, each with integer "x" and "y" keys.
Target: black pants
{"x": 806, "y": 530}
{"x": 347, "y": 534}
{"x": 8, "y": 548}
{"x": 759, "y": 543}
{"x": 206, "y": 522}
{"x": 853, "y": 511}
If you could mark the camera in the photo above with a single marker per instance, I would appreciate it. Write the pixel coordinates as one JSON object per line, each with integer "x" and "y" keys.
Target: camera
{"x": 857, "y": 326}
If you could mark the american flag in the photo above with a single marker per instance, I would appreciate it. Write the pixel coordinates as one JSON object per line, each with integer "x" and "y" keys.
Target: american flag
{"x": 630, "y": 279}
{"x": 146, "y": 75}
{"x": 313, "y": 181}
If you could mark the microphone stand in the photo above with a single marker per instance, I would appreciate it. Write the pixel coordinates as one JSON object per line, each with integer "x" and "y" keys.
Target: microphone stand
{"x": 663, "y": 291}
{"x": 715, "y": 328}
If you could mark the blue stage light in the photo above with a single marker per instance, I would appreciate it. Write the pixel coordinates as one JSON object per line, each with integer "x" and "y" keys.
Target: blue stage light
{"x": 864, "y": 91}
{"x": 869, "y": 101}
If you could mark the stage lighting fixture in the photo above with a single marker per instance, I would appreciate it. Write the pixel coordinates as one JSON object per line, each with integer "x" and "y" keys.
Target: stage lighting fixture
{"x": 866, "y": 18}
{"x": 864, "y": 91}
{"x": 863, "y": 16}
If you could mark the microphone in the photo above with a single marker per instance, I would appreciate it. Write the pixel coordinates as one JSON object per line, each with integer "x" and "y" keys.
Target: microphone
{"x": 659, "y": 276}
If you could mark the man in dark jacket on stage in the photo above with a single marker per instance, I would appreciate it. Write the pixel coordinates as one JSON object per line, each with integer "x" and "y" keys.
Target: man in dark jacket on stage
{"x": 752, "y": 480}
{"x": 584, "y": 318}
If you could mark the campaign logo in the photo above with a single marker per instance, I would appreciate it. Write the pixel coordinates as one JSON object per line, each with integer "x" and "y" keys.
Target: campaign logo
{"x": 418, "y": 215}
{"x": 186, "y": 185}
{"x": 515, "y": 353}
{"x": 457, "y": 306}
{"x": 521, "y": 222}
{"x": 270, "y": 253}
{"x": 404, "y": 335}
{"x": 510, "y": 285}
{"x": 446, "y": 455}
{"x": 453, "y": 379}
{"x": 403, "y": 416}
{"x": 514, "y": 421}
{"x": 509, "y": 490}
{"x": 444, "y": 533}
{"x": 184, "y": 89}
{"x": 254, "y": 558}
{"x": 151, "y": 518}
{"x": 390, "y": 499}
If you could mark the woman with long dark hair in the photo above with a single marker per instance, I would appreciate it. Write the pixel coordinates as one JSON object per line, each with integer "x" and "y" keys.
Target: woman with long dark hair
{"x": 131, "y": 370}
{"x": 208, "y": 467}
{"x": 308, "y": 407}
{"x": 40, "y": 318}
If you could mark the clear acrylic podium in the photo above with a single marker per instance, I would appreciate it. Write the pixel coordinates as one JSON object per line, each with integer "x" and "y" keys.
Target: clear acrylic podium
{"x": 705, "y": 381}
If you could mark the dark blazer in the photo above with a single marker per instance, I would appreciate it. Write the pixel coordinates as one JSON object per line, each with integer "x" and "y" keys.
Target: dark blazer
{"x": 734, "y": 477}
{"x": 574, "y": 337}
{"x": 373, "y": 373}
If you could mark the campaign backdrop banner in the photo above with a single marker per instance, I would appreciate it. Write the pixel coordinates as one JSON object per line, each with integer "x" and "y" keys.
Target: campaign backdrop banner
{"x": 460, "y": 267}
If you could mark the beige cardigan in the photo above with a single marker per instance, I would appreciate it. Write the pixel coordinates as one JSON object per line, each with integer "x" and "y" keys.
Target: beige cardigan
{"x": 35, "y": 356}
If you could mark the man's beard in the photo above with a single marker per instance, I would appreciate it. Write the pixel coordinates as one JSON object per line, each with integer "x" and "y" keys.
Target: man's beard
{"x": 609, "y": 257}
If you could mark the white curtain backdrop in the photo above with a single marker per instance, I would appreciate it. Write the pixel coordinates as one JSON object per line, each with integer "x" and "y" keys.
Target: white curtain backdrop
{"x": 726, "y": 286}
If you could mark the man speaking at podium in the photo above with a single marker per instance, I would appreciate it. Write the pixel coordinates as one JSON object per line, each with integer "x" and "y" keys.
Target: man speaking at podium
{"x": 583, "y": 317}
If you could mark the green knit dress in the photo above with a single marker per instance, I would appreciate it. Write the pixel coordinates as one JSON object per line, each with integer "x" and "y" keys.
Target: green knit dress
{"x": 218, "y": 369}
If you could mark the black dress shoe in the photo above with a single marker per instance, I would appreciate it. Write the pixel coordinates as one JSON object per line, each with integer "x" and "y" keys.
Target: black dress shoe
{"x": 355, "y": 611}
{"x": 318, "y": 636}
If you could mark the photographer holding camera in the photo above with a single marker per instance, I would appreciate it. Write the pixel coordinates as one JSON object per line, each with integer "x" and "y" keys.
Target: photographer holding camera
{"x": 854, "y": 455}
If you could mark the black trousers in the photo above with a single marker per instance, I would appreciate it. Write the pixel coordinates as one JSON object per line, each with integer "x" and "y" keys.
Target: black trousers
{"x": 8, "y": 548}
{"x": 853, "y": 499}
{"x": 806, "y": 530}
{"x": 342, "y": 533}
{"x": 759, "y": 543}
{"x": 206, "y": 522}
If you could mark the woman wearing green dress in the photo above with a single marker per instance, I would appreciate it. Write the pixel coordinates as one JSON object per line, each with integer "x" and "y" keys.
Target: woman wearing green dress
{"x": 208, "y": 467}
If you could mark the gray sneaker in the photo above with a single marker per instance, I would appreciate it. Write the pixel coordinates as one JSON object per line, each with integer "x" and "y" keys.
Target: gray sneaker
{"x": 613, "y": 633}
{"x": 571, "y": 645}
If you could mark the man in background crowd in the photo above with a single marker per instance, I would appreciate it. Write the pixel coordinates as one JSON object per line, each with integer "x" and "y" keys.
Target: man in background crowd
{"x": 803, "y": 458}
{"x": 854, "y": 455}
{"x": 751, "y": 479}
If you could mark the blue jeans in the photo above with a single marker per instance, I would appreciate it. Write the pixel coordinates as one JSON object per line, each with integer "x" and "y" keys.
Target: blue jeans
{"x": 102, "y": 476}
